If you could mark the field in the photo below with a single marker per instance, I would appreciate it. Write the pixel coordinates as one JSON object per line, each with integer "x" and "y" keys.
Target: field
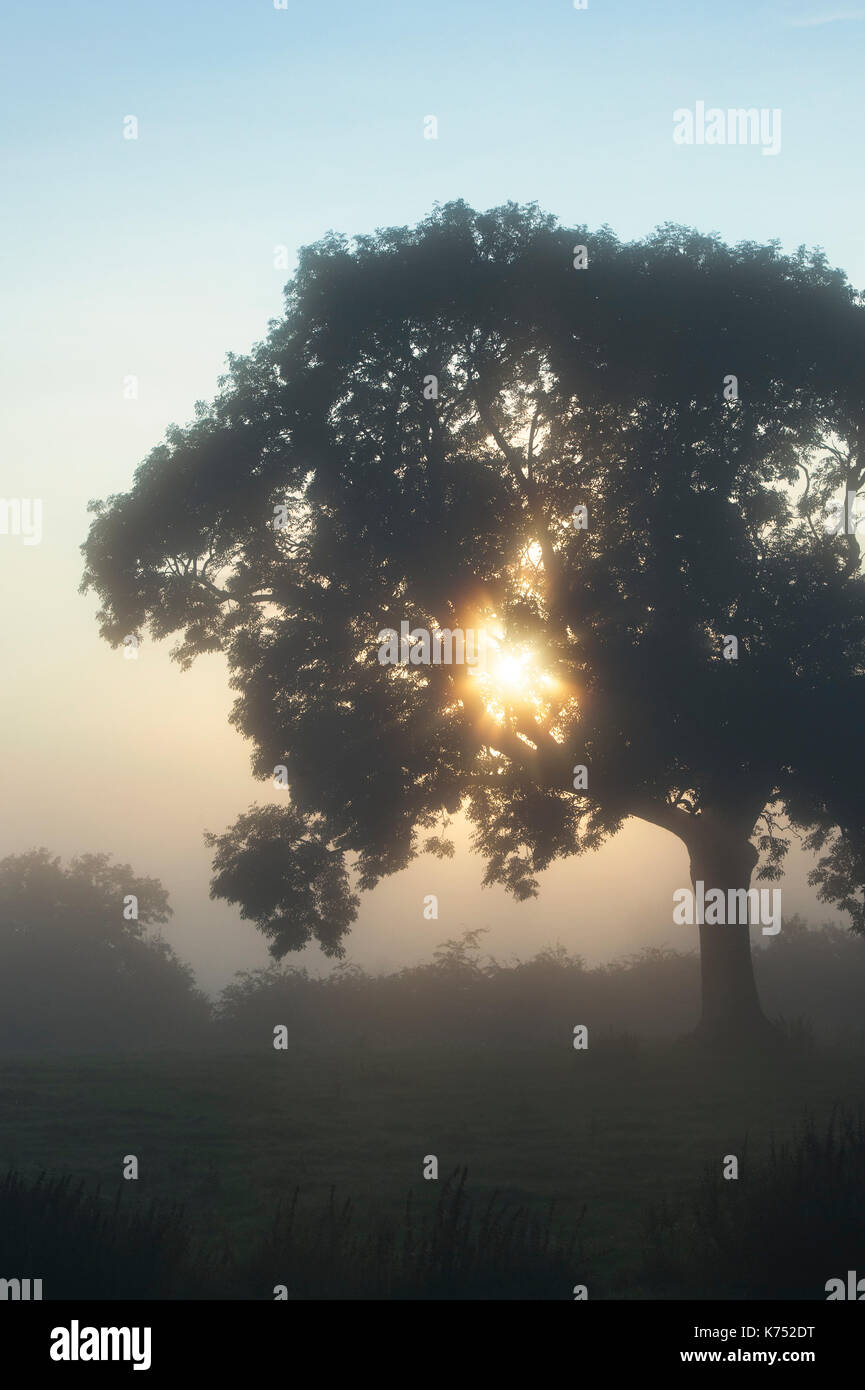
{"x": 612, "y": 1132}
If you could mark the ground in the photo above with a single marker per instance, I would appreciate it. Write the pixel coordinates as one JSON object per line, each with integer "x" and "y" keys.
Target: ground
{"x": 614, "y": 1129}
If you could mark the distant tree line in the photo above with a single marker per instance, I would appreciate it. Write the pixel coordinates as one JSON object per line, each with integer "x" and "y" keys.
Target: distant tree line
{"x": 78, "y": 974}
{"x": 81, "y": 967}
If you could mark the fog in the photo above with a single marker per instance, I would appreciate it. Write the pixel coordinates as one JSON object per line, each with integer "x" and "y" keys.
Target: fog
{"x": 136, "y": 758}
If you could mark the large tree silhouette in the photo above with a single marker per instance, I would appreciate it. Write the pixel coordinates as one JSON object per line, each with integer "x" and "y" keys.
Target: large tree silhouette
{"x": 431, "y": 410}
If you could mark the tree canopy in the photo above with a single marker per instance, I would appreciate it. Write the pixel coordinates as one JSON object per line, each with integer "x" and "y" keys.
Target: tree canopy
{"x": 426, "y": 417}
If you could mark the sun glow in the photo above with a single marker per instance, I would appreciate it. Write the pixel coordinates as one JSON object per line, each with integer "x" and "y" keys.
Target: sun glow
{"x": 511, "y": 674}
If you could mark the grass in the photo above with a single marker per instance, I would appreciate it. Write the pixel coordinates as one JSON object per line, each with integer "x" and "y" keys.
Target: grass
{"x": 614, "y": 1131}
{"x": 793, "y": 1219}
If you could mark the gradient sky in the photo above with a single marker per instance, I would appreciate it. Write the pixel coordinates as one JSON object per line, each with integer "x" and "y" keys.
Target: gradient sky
{"x": 260, "y": 128}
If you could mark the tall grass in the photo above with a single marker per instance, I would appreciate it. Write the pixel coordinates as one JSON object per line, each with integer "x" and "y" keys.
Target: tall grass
{"x": 82, "y": 1245}
{"x": 789, "y": 1223}
{"x": 455, "y": 1248}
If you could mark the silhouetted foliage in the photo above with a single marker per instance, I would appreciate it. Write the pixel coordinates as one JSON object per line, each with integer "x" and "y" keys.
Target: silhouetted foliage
{"x": 74, "y": 973}
{"x": 813, "y": 982}
{"x": 557, "y": 388}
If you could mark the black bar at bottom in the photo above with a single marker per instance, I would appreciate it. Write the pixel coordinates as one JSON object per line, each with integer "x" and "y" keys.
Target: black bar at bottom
{"x": 260, "y": 1339}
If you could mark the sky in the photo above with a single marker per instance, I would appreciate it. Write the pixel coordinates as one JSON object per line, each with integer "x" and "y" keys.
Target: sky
{"x": 130, "y": 267}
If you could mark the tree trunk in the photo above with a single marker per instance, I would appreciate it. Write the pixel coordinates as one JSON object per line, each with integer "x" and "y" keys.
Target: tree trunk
{"x": 731, "y": 1006}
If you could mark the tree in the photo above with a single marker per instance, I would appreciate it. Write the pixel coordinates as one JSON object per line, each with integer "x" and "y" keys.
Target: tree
{"x": 77, "y": 968}
{"x": 428, "y": 420}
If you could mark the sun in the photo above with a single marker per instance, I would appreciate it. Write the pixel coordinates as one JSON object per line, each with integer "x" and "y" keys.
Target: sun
{"x": 513, "y": 676}
{"x": 513, "y": 673}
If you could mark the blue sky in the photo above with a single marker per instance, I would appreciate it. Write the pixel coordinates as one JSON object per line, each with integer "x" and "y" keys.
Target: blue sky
{"x": 260, "y": 127}
{"x": 153, "y": 257}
